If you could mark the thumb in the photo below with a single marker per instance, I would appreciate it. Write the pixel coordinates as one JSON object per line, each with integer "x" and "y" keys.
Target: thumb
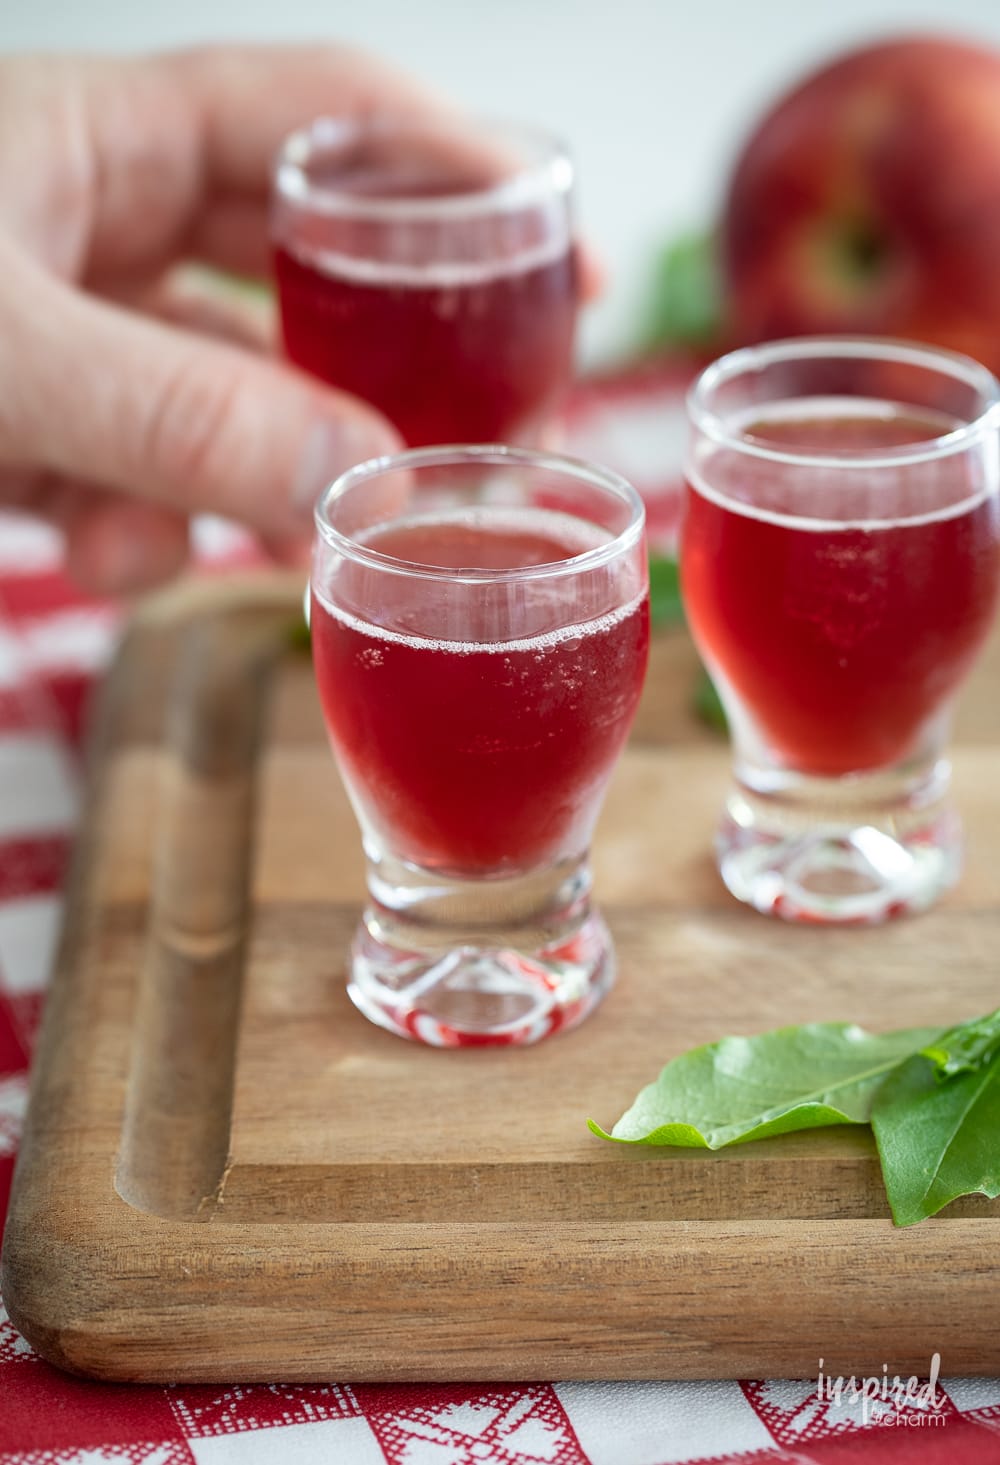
{"x": 170, "y": 417}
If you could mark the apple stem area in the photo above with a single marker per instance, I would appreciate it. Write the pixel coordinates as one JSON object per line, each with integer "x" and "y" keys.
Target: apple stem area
{"x": 860, "y": 250}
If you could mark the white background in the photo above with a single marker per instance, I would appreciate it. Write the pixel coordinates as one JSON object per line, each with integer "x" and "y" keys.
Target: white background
{"x": 653, "y": 95}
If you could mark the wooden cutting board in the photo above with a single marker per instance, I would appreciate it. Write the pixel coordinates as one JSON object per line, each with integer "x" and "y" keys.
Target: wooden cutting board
{"x": 229, "y": 1174}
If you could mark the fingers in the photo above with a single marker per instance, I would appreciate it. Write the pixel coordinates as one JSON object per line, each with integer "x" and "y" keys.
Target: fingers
{"x": 249, "y": 98}
{"x": 95, "y": 392}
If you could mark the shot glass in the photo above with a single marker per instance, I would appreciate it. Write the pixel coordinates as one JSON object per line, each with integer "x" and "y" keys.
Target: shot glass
{"x": 480, "y": 627}
{"x": 429, "y": 268}
{"x": 839, "y": 562}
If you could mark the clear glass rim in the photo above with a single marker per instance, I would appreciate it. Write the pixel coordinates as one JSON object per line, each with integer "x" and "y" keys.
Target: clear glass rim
{"x": 749, "y": 359}
{"x": 551, "y": 174}
{"x": 493, "y": 455}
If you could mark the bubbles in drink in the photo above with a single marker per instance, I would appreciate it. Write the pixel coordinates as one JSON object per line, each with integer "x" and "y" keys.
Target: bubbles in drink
{"x": 490, "y": 752}
{"x": 841, "y": 606}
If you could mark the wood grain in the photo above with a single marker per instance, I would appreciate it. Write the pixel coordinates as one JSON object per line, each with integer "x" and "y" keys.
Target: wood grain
{"x": 228, "y": 1174}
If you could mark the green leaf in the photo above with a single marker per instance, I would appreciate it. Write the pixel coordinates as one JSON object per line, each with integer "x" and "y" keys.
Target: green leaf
{"x": 937, "y": 1141}
{"x": 966, "y": 1046}
{"x": 665, "y": 605}
{"x": 707, "y": 704}
{"x": 684, "y": 307}
{"x": 741, "y": 1089}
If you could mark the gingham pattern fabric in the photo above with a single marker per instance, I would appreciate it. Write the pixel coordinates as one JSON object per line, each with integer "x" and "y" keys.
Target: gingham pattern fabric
{"x": 54, "y": 644}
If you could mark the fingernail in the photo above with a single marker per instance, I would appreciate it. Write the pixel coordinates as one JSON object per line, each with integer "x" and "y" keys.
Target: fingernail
{"x": 333, "y": 445}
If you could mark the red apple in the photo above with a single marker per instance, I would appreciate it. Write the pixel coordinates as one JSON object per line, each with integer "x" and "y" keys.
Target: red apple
{"x": 868, "y": 201}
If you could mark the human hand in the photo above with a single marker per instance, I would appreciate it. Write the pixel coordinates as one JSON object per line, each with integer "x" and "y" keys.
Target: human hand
{"x": 113, "y": 423}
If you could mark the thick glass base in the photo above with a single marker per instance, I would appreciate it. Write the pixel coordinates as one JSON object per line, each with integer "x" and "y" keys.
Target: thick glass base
{"x": 854, "y": 851}
{"x": 475, "y": 963}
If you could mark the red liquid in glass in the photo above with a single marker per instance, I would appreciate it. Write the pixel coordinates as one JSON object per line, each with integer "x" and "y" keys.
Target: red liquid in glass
{"x": 471, "y": 757}
{"x": 480, "y": 355}
{"x": 841, "y": 643}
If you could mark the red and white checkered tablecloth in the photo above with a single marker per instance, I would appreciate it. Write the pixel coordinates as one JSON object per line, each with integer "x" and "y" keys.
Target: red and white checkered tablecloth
{"x": 53, "y": 645}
